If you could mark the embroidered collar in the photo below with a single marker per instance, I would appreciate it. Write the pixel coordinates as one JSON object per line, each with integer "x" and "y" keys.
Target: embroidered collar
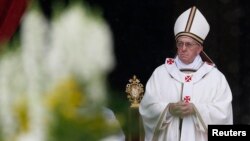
{"x": 187, "y": 77}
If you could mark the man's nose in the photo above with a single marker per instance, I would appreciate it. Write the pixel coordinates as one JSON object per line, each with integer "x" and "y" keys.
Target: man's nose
{"x": 184, "y": 47}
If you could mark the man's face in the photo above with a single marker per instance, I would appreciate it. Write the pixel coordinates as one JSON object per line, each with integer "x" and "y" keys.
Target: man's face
{"x": 187, "y": 49}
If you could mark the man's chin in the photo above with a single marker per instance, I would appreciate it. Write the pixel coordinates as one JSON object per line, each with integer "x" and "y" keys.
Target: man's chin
{"x": 185, "y": 61}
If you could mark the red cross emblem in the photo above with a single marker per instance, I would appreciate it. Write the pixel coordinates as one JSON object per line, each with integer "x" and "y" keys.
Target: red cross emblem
{"x": 188, "y": 78}
{"x": 187, "y": 99}
{"x": 170, "y": 61}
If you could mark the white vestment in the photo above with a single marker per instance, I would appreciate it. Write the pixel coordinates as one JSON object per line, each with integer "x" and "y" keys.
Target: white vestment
{"x": 207, "y": 89}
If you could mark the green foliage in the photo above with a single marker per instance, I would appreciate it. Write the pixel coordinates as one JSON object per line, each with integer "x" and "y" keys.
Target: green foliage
{"x": 72, "y": 118}
{"x": 84, "y": 127}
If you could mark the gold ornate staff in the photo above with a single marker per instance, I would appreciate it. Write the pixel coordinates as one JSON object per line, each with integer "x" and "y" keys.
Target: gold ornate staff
{"x": 134, "y": 92}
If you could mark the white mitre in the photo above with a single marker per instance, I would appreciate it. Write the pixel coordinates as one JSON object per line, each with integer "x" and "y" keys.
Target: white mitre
{"x": 193, "y": 24}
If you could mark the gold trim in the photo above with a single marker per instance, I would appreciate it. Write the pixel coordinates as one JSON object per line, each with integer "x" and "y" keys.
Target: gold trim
{"x": 200, "y": 118}
{"x": 157, "y": 128}
{"x": 190, "y": 19}
{"x": 197, "y": 38}
{"x": 206, "y": 58}
{"x": 188, "y": 70}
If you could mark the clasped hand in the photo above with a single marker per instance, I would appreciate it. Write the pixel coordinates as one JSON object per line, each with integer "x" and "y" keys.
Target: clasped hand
{"x": 181, "y": 109}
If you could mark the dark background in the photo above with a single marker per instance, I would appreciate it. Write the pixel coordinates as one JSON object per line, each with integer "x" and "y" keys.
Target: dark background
{"x": 143, "y": 38}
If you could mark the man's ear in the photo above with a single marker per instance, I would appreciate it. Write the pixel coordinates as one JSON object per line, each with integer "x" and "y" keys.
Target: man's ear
{"x": 200, "y": 49}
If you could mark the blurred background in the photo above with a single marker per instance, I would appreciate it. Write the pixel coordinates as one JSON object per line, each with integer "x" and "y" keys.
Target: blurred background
{"x": 91, "y": 48}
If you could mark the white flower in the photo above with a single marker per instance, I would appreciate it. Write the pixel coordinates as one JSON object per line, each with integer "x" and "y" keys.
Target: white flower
{"x": 12, "y": 88}
{"x": 81, "y": 45}
{"x": 34, "y": 41}
{"x": 76, "y": 43}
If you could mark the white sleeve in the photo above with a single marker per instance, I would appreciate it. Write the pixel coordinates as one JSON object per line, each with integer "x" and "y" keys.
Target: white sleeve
{"x": 153, "y": 111}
